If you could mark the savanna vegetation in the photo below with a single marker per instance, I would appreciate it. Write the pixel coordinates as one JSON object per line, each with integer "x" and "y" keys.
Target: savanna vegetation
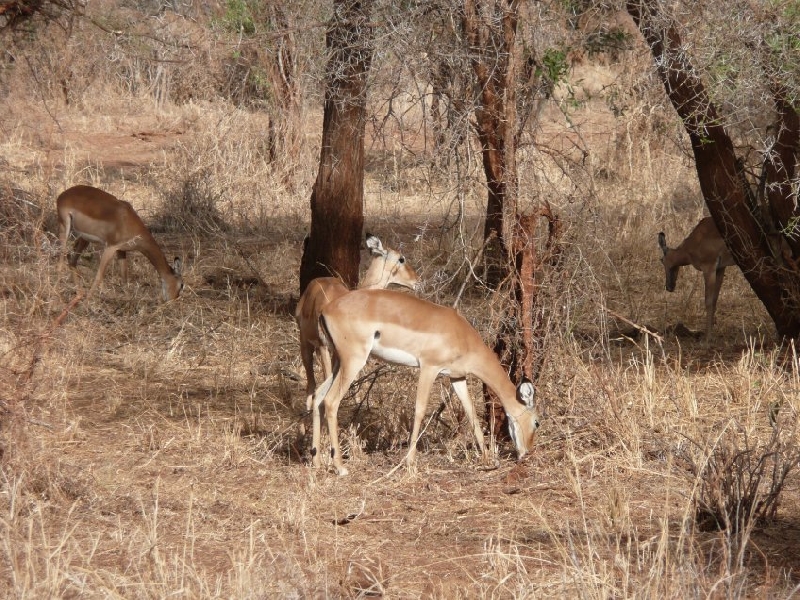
{"x": 523, "y": 157}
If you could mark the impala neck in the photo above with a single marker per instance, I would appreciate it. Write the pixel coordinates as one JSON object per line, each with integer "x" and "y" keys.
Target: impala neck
{"x": 152, "y": 251}
{"x": 677, "y": 257}
{"x": 488, "y": 369}
{"x": 376, "y": 275}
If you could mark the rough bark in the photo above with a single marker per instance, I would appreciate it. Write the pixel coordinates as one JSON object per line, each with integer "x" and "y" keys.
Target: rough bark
{"x": 520, "y": 343}
{"x": 718, "y": 171}
{"x": 513, "y": 265}
{"x": 779, "y": 169}
{"x": 492, "y": 52}
{"x": 337, "y": 199}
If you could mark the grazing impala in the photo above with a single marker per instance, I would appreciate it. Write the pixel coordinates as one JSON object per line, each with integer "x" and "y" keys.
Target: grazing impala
{"x": 706, "y": 251}
{"x": 405, "y": 330}
{"x": 97, "y": 216}
{"x": 387, "y": 267}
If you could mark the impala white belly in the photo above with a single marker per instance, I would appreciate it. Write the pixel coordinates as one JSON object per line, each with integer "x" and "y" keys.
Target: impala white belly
{"x": 90, "y": 224}
{"x": 394, "y": 355}
{"x": 88, "y": 236}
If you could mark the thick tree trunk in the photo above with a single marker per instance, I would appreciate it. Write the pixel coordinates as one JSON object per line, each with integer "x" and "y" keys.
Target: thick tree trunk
{"x": 779, "y": 170}
{"x": 337, "y": 200}
{"x": 718, "y": 171}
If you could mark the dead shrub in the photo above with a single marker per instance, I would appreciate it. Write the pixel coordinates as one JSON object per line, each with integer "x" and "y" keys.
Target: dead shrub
{"x": 191, "y": 206}
{"x": 21, "y": 219}
{"x": 742, "y": 479}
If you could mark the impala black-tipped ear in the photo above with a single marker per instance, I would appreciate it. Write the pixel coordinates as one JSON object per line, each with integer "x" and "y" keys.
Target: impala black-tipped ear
{"x": 662, "y": 242}
{"x": 526, "y": 392}
{"x": 375, "y": 246}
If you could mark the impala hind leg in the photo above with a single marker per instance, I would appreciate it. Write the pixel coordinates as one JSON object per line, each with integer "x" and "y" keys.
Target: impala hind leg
{"x": 67, "y": 255}
{"x": 316, "y": 427}
{"x": 460, "y": 387}
{"x": 346, "y": 376}
{"x": 324, "y": 355}
{"x": 73, "y": 256}
{"x": 77, "y": 249}
{"x": 307, "y": 356}
{"x": 330, "y": 393}
{"x": 64, "y": 227}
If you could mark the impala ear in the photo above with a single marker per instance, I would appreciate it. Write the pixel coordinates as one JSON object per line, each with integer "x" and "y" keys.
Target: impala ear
{"x": 526, "y": 392}
{"x": 662, "y": 242}
{"x": 374, "y": 245}
{"x": 177, "y": 266}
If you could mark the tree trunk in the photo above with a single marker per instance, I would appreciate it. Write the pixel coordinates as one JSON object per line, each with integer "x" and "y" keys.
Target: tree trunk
{"x": 337, "y": 199}
{"x": 493, "y": 52}
{"x": 510, "y": 254}
{"x": 520, "y": 343}
{"x": 718, "y": 170}
{"x": 779, "y": 170}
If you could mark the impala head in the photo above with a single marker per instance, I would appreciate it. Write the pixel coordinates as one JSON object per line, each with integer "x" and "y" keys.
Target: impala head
{"x": 388, "y": 267}
{"x": 670, "y": 270}
{"x": 171, "y": 286}
{"x": 523, "y": 426}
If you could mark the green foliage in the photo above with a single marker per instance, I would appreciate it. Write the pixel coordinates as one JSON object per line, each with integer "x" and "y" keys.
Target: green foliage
{"x": 238, "y": 17}
{"x": 258, "y": 82}
{"x": 554, "y": 65}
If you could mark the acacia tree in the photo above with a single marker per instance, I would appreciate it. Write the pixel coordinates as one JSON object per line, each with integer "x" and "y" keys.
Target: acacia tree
{"x": 337, "y": 199}
{"x": 755, "y": 206}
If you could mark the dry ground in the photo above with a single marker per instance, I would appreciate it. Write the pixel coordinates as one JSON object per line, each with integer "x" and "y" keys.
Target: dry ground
{"x": 156, "y": 450}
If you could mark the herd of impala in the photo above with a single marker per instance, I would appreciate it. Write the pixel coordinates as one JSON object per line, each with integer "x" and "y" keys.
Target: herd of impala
{"x": 345, "y": 327}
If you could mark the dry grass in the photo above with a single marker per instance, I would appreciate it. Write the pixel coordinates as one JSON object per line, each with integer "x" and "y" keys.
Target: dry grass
{"x": 153, "y": 450}
{"x": 156, "y": 449}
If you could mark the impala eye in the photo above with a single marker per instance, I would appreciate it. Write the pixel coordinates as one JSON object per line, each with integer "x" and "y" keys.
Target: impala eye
{"x": 402, "y": 260}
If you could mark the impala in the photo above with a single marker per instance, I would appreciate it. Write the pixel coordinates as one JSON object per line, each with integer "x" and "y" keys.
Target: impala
{"x": 706, "y": 251}
{"x": 402, "y": 329}
{"x": 387, "y": 267}
{"x": 97, "y": 216}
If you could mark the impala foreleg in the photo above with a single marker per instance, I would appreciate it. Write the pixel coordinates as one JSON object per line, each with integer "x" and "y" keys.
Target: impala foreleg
{"x": 424, "y": 384}
{"x": 460, "y": 387}
{"x": 713, "y": 285}
{"x": 64, "y": 228}
{"x": 122, "y": 259}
